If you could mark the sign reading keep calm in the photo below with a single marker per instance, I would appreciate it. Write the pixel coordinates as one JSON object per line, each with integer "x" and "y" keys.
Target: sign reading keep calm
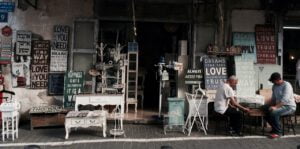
{"x": 215, "y": 72}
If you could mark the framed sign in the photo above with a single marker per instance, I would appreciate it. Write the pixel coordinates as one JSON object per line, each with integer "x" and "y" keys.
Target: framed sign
{"x": 61, "y": 37}
{"x": 56, "y": 84}
{"x": 73, "y": 85}
{"x": 193, "y": 76}
{"x": 40, "y": 64}
{"x": 265, "y": 44}
{"x": 23, "y": 42}
{"x": 215, "y": 72}
{"x": 59, "y": 60}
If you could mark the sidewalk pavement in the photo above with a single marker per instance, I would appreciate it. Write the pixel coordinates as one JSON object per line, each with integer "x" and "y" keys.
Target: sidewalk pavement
{"x": 144, "y": 137}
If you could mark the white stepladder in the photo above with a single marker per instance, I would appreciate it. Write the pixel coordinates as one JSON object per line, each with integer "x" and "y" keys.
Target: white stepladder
{"x": 197, "y": 109}
{"x": 10, "y": 117}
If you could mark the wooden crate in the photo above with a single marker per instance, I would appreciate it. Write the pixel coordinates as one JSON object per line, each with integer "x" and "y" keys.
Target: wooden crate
{"x": 47, "y": 119}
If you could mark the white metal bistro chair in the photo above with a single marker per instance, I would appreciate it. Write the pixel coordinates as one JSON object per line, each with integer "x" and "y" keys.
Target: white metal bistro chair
{"x": 197, "y": 109}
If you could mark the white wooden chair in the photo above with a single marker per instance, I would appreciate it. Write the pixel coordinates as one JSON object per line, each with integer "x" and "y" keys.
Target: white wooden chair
{"x": 198, "y": 111}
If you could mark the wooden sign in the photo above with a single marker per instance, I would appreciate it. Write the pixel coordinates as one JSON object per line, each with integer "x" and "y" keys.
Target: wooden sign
{"x": 6, "y": 50}
{"x": 265, "y": 44}
{"x": 61, "y": 37}
{"x": 244, "y": 71}
{"x": 73, "y": 85}
{"x": 40, "y": 64}
{"x": 215, "y": 72}
{"x": 246, "y": 42}
{"x": 23, "y": 43}
{"x": 56, "y": 84}
{"x": 59, "y": 60}
{"x": 193, "y": 76}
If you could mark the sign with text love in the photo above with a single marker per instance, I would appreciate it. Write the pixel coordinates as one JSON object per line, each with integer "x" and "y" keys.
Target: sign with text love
{"x": 23, "y": 42}
{"x": 61, "y": 37}
{"x": 73, "y": 85}
{"x": 265, "y": 44}
{"x": 39, "y": 64}
{"x": 215, "y": 72}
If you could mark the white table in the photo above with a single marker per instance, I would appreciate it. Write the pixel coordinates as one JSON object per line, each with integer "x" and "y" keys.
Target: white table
{"x": 102, "y": 100}
{"x": 85, "y": 119}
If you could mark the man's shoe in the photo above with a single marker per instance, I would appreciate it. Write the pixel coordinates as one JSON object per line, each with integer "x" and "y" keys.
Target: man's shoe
{"x": 274, "y": 136}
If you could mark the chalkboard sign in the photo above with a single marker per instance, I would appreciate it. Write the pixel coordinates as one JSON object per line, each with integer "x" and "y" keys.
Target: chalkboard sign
{"x": 39, "y": 64}
{"x": 56, "y": 84}
{"x": 73, "y": 85}
{"x": 193, "y": 76}
{"x": 215, "y": 72}
{"x": 23, "y": 43}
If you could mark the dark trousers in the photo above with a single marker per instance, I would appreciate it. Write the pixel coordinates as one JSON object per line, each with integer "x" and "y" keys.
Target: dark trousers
{"x": 235, "y": 117}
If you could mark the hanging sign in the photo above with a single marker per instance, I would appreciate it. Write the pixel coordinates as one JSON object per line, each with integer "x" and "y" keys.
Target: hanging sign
{"x": 215, "y": 72}
{"x": 265, "y": 44}
{"x": 23, "y": 43}
{"x": 7, "y": 6}
{"x": 73, "y": 85}
{"x": 61, "y": 37}
{"x": 40, "y": 64}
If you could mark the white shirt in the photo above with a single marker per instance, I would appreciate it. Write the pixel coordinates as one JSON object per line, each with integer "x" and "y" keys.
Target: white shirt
{"x": 224, "y": 92}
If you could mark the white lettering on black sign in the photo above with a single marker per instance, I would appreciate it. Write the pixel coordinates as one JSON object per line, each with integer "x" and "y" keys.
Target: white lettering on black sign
{"x": 23, "y": 40}
{"x": 61, "y": 37}
{"x": 215, "y": 72}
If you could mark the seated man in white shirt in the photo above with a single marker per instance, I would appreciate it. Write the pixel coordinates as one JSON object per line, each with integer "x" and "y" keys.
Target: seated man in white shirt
{"x": 226, "y": 104}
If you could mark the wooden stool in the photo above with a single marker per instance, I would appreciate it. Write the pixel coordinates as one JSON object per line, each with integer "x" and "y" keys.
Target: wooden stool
{"x": 289, "y": 122}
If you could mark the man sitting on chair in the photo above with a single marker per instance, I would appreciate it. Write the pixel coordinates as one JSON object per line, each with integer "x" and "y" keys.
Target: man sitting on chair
{"x": 226, "y": 104}
{"x": 282, "y": 103}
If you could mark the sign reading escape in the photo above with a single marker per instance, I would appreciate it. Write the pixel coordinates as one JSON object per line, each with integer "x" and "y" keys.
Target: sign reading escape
{"x": 215, "y": 72}
{"x": 40, "y": 64}
{"x": 73, "y": 85}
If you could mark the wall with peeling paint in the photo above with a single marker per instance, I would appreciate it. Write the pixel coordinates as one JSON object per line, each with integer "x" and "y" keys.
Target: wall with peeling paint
{"x": 41, "y": 21}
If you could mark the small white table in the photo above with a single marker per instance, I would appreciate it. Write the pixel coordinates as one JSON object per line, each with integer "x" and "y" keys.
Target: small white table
{"x": 102, "y": 100}
{"x": 85, "y": 119}
{"x": 10, "y": 119}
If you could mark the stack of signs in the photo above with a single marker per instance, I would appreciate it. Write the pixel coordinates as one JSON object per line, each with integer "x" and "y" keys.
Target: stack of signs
{"x": 73, "y": 85}
{"x": 40, "y": 64}
{"x": 6, "y": 49}
{"x": 246, "y": 41}
{"x": 215, "y": 72}
{"x": 23, "y": 43}
{"x": 265, "y": 44}
{"x": 59, "y": 50}
{"x": 244, "y": 70}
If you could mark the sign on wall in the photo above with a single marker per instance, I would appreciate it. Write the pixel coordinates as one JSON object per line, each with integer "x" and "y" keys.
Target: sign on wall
{"x": 246, "y": 41}
{"x": 59, "y": 60}
{"x": 7, "y": 6}
{"x": 21, "y": 73}
{"x": 193, "y": 76}
{"x": 6, "y": 50}
{"x": 61, "y": 37}
{"x": 265, "y": 44}
{"x": 244, "y": 70}
{"x": 215, "y": 72}
{"x": 3, "y": 16}
{"x": 56, "y": 84}
{"x": 40, "y": 64}
{"x": 73, "y": 85}
{"x": 23, "y": 43}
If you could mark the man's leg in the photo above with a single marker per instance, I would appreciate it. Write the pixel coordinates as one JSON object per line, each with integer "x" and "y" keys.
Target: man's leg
{"x": 275, "y": 118}
{"x": 235, "y": 119}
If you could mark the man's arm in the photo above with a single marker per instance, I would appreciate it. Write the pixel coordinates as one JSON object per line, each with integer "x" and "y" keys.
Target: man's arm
{"x": 236, "y": 104}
